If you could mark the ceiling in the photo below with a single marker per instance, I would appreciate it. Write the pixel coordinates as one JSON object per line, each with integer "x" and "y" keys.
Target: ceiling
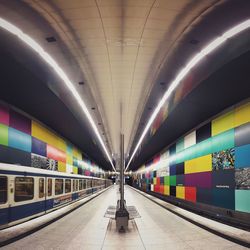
{"x": 120, "y": 50}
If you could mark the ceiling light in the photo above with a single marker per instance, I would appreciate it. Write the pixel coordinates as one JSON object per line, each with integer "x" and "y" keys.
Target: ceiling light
{"x": 48, "y": 59}
{"x": 193, "y": 62}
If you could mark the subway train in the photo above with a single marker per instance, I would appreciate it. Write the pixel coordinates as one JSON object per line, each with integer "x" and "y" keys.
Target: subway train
{"x": 27, "y": 192}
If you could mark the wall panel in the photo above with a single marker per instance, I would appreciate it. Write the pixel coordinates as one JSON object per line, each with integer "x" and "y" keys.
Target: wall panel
{"x": 223, "y": 123}
{"x": 211, "y": 165}
{"x": 4, "y": 135}
{"x": 242, "y": 159}
{"x": 19, "y": 140}
{"x": 4, "y": 115}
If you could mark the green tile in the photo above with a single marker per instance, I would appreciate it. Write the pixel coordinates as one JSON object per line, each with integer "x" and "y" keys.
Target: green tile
{"x": 172, "y": 180}
{"x": 223, "y": 141}
{"x": 4, "y": 135}
{"x": 242, "y": 200}
{"x": 166, "y": 180}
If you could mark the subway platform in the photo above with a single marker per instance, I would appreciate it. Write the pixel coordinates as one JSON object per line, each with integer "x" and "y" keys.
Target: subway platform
{"x": 157, "y": 228}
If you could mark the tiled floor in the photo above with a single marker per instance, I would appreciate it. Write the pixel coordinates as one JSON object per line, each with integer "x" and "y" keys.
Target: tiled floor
{"x": 86, "y": 228}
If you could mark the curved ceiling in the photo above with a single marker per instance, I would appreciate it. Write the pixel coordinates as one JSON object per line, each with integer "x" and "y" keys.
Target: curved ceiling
{"x": 120, "y": 50}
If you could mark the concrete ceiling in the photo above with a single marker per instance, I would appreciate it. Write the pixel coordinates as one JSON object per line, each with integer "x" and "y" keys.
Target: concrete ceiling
{"x": 115, "y": 44}
{"x": 116, "y": 47}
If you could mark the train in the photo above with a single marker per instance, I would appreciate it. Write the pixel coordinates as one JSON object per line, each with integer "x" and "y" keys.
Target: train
{"x": 27, "y": 192}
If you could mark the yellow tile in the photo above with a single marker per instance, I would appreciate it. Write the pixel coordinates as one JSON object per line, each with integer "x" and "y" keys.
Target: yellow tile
{"x": 61, "y": 166}
{"x": 75, "y": 170}
{"x": 154, "y": 181}
{"x": 223, "y": 123}
{"x": 200, "y": 164}
{"x": 69, "y": 159}
{"x": 242, "y": 114}
{"x": 166, "y": 190}
{"x": 61, "y": 144}
{"x": 180, "y": 192}
{"x": 43, "y": 134}
{"x": 77, "y": 153}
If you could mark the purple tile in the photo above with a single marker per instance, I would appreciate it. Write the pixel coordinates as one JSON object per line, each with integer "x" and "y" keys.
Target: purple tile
{"x": 20, "y": 122}
{"x": 203, "y": 180}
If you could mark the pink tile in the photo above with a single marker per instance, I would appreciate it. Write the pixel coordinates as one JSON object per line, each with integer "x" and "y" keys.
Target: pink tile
{"x": 4, "y": 115}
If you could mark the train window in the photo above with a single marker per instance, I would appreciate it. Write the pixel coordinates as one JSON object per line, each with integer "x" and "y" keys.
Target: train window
{"x": 3, "y": 189}
{"x": 24, "y": 188}
{"x": 41, "y": 187}
{"x": 67, "y": 186}
{"x": 49, "y": 187}
{"x": 80, "y": 184}
{"x": 84, "y": 184}
{"x": 76, "y": 185}
{"x": 58, "y": 186}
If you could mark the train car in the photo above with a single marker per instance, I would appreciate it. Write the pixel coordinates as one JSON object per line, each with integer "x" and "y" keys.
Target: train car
{"x": 27, "y": 192}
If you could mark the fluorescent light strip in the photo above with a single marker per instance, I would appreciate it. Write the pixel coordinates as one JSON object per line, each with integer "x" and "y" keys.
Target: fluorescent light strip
{"x": 48, "y": 59}
{"x": 192, "y": 63}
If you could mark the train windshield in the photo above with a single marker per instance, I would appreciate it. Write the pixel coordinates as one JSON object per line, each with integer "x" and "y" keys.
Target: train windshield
{"x": 3, "y": 189}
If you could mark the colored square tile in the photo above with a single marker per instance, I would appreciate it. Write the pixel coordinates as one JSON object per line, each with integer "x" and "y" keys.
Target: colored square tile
{"x": 4, "y": 131}
{"x": 172, "y": 191}
{"x": 19, "y": 140}
{"x": 166, "y": 180}
{"x": 180, "y": 192}
{"x": 190, "y": 140}
{"x": 180, "y": 145}
{"x": 224, "y": 197}
{"x": 39, "y": 147}
{"x": 203, "y": 133}
{"x": 242, "y": 156}
{"x": 223, "y": 123}
{"x": 242, "y": 135}
{"x": 242, "y": 200}
{"x": 20, "y": 122}
{"x": 172, "y": 180}
{"x": 242, "y": 114}
{"x": 190, "y": 194}
{"x": 223, "y": 179}
{"x": 4, "y": 115}
{"x": 166, "y": 190}
{"x": 204, "y": 195}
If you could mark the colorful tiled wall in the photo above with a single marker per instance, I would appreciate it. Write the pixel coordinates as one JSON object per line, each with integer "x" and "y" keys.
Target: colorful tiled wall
{"x": 26, "y": 142}
{"x": 210, "y": 165}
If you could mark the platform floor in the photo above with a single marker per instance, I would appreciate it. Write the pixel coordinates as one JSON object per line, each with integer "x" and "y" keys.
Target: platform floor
{"x": 86, "y": 228}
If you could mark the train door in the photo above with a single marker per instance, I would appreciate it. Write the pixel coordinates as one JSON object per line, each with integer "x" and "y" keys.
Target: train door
{"x": 4, "y": 210}
{"x": 42, "y": 193}
{"x": 48, "y": 194}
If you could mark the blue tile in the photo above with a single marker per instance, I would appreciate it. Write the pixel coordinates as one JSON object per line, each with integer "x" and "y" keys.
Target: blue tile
{"x": 242, "y": 156}
{"x": 19, "y": 140}
{"x": 39, "y": 147}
